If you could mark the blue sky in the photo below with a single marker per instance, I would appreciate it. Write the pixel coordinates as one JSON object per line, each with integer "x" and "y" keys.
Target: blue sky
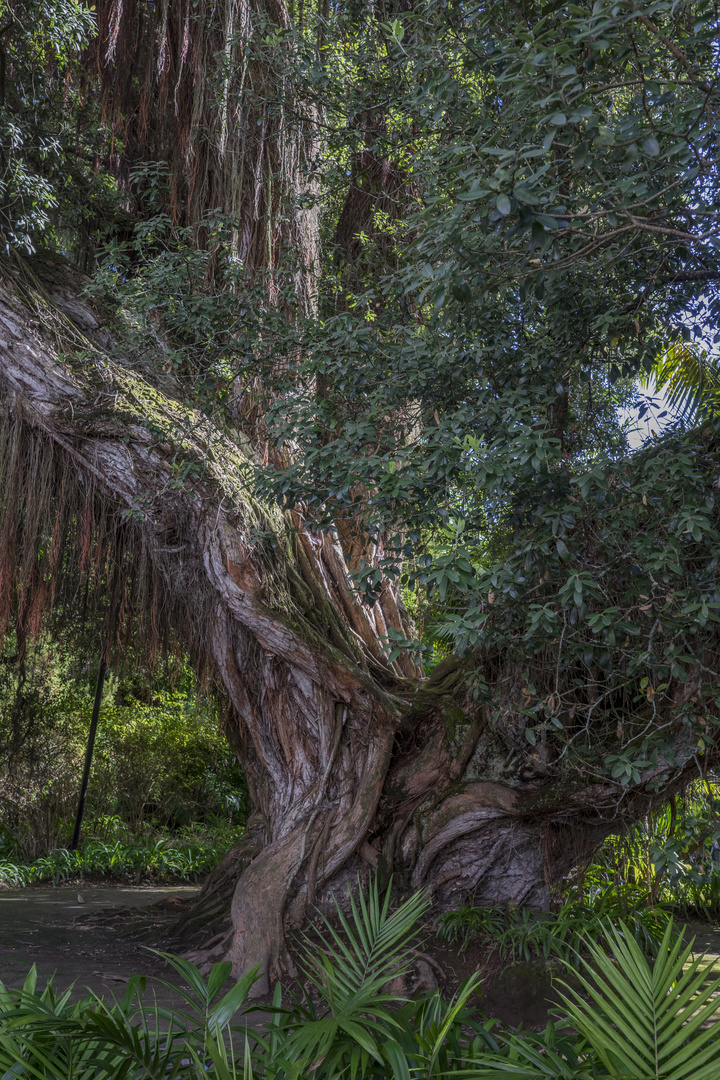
{"x": 638, "y": 429}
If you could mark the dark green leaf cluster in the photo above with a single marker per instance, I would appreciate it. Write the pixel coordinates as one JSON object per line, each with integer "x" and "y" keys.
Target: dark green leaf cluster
{"x": 51, "y": 191}
{"x": 559, "y": 235}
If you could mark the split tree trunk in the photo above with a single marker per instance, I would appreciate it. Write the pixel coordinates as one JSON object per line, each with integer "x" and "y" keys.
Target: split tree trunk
{"x": 351, "y": 765}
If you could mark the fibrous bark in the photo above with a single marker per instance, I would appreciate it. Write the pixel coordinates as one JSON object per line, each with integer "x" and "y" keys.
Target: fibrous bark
{"x": 205, "y": 90}
{"x": 351, "y": 766}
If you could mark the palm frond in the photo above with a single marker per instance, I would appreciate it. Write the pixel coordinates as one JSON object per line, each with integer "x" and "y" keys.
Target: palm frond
{"x": 349, "y": 970}
{"x": 646, "y": 1020}
{"x": 690, "y": 378}
{"x": 373, "y": 946}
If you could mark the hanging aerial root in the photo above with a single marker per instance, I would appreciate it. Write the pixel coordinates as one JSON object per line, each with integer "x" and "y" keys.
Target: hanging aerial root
{"x": 66, "y": 555}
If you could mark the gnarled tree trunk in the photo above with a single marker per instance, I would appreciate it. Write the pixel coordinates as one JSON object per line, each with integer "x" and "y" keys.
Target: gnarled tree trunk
{"x": 351, "y": 765}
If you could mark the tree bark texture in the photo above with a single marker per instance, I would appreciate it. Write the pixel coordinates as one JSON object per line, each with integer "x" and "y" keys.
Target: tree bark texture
{"x": 204, "y": 90}
{"x": 352, "y": 766}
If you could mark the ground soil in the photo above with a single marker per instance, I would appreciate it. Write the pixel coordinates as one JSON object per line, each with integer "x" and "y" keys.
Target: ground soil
{"x": 87, "y": 935}
{"x": 97, "y": 936}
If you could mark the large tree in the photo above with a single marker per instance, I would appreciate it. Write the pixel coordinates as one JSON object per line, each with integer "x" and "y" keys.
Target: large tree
{"x": 374, "y": 281}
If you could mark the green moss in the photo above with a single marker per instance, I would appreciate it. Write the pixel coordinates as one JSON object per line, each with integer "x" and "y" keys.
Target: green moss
{"x": 202, "y": 457}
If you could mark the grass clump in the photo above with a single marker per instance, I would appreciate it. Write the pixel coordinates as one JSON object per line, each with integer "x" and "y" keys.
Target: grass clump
{"x": 521, "y": 934}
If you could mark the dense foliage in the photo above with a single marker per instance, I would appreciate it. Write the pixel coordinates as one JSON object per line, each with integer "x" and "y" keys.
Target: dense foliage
{"x": 561, "y": 176}
{"x": 549, "y": 235}
{"x": 161, "y": 759}
{"x": 186, "y": 854}
{"x": 51, "y": 190}
{"x": 637, "y": 1018}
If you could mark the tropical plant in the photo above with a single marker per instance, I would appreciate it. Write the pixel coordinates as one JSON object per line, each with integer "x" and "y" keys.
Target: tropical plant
{"x": 50, "y": 1037}
{"x": 669, "y": 857}
{"x": 166, "y": 858}
{"x": 466, "y": 923}
{"x": 357, "y": 1025}
{"x": 689, "y": 377}
{"x": 48, "y": 130}
{"x": 648, "y": 1020}
{"x": 519, "y": 934}
{"x": 698, "y": 897}
{"x": 636, "y": 1019}
{"x": 349, "y": 968}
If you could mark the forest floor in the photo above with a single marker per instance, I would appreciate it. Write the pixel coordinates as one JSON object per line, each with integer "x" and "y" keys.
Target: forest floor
{"x": 49, "y": 926}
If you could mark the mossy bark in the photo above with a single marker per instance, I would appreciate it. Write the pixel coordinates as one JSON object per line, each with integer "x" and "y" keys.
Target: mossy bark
{"x": 352, "y": 766}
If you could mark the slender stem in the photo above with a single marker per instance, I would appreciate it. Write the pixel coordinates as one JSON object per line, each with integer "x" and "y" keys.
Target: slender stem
{"x": 90, "y": 746}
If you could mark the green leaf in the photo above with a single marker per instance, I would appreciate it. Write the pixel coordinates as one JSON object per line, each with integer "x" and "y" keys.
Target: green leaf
{"x": 648, "y": 1019}
{"x": 580, "y": 155}
{"x": 395, "y": 1055}
{"x": 526, "y": 195}
{"x": 217, "y": 978}
{"x": 223, "y": 1012}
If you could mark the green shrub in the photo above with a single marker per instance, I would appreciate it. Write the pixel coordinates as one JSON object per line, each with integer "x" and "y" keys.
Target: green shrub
{"x": 668, "y": 856}
{"x": 161, "y": 756}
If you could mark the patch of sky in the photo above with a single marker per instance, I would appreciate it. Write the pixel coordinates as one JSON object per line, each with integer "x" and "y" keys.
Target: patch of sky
{"x": 648, "y": 417}
{"x": 685, "y": 379}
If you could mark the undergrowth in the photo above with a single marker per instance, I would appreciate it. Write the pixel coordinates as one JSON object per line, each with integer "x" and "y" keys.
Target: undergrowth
{"x": 667, "y": 863}
{"x": 634, "y": 1017}
{"x": 582, "y": 918}
{"x": 187, "y": 855}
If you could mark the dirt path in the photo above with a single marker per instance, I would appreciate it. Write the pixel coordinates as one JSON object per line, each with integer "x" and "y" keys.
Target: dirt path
{"x": 49, "y": 927}
{"x": 707, "y": 938}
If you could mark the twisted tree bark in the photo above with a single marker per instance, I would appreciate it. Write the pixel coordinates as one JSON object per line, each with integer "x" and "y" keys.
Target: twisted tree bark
{"x": 352, "y": 766}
